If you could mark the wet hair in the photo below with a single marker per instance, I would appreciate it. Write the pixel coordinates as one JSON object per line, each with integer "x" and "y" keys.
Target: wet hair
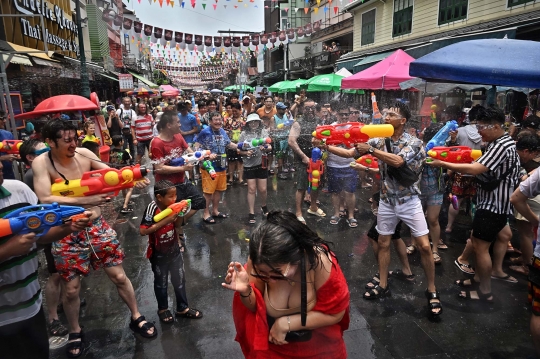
{"x": 28, "y": 148}
{"x": 268, "y": 96}
{"x": 211, "y": 100}
{"x": 51, "y": 130}
{"x": 431, "y": 131}
{"x": 491, "y": 115}
{"x": 473, "y": 113}
{"x": 167, "y": 118}
{"x": 531, "y": 121}
{"x": 201, "y": 104}
{"x": 116, "y": 140}
{"x": 342, "y": 106}
{"x": 354, "y": 105}
{"x": 236, "y": 105}
{"x": 529, "y": 142}
{"x": 318, "y": 108}
{"x": 467, "y": 104}
{"x": 453, "y": 111}
{"x": 92, "y": 146}
{"x": 181, "y": 106}
{"x": 282, "y": 239}
{"x": 162, "y": 187}
{"x": 403, "y": 110}
{"x": 213, "y": 114}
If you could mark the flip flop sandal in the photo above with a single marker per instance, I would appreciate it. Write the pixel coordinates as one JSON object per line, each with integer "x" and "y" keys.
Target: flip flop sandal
{"x": 334, "y": 220}
{"x": 377, "y": 292}
{"x": 411, "y": 249}
{"x": 520, "y": 269}
{"x": 462, "y": 283}
{"x": 56, "y": 328}
{"x": 209, "y": 220}
{"x": 301, "y": 219}
{"x": 353, "y": 223}
{"x": 507, "y": 278}
{"x": 437, "y": 258}
{"x": 229, "y": 183}
{"x": 319, "y": 212}
{"x": 126, "y": 210}
{"x": 252, "y": 218}
{"x": 144, "y": 329}
{"x": 343, "y": 213}
{"x": 398, "y": 273}
{"x": 481, "y": 296}
{"x": 220, "y": 215}
{"x": 79, "y": 344}
{"x": 190, "y": 314}
{"x": 166, "y": 317}
{"x": 463, "y": 265}
{"x": 434, "y": 305}
{"x": 442, "y": 246}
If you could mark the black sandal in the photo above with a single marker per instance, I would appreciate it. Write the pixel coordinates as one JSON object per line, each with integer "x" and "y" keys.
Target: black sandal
{"x": 434, "y": 305}
{"x": 264, "y": 210}
{"x": 144, "y": 329}
{"x": 373, "y": 281}
{"x": 190, "y": 314}
{"x": 461, "y": 283}
{"x": 77, "y": 345}
{"x": 398, "y": 273}
{"x": 252, "y": 218}
{"x": 377, "y": 292}
{"x": 481, "y": 296}
{"x": 166, "y": 317}
{"x": 56, "y": 328}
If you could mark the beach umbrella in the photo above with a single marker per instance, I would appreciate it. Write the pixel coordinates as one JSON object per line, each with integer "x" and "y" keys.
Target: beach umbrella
{"x": 323, "y": 83}
{"x": 216, "y": 91}
{"x": 291, "y": 86}
{"x": 143, "y": 92}
{"x": 275, "y": 87}
{"x": 238, "y": 88}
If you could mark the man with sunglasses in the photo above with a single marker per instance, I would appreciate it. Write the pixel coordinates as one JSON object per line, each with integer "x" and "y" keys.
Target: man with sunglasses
{"x": 7, "y": 159}
{"x": 355, "y": 115}
{"x": 98, "y": 245}
{"x": 497, "y": 175}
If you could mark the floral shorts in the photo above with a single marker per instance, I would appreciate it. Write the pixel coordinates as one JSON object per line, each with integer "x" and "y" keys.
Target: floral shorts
{"x": 97, "y": 246}
{"x": 534, "y": 286}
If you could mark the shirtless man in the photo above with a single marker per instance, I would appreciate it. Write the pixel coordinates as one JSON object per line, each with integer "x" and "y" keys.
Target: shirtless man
{"x": 74, "y": 254}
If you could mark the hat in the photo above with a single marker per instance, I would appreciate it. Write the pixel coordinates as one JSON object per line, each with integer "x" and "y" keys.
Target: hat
{"x": 246, "y": 98}
{"x": 110, "y": 108}
{"x": 253, "y": 117}
{"x": 281, "y": 106}
{"x": 188, "y": 101}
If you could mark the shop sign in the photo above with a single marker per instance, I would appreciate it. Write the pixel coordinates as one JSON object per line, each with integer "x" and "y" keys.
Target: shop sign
{"x": 126, "y": 82}
{"x": 50, "y": 12}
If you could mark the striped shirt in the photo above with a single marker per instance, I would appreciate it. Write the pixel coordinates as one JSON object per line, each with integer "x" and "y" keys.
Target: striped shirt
{"x": 143, "y": 127}
{"x": 501, "y": 158}
{"x": 20, "y": 294}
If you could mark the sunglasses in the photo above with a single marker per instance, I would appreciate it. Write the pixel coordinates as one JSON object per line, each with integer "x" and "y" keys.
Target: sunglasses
{"x": 344, "y": 114}
{"x": 484, "y": 127}
{"x": 266, "y": 278}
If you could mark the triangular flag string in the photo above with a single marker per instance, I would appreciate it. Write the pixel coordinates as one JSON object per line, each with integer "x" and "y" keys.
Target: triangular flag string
{"x": 203, "y": 6}
{"x": 306, "y": 9}
{"x": 336, "y": 9}
{"x": 214, "y": 6}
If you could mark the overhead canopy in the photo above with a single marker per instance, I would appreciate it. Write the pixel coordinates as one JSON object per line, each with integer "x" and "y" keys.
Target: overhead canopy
{"x": 109, "y": 77}
{"x": 147, "y": 82}
{"x": 323, "y": 83}
{"x": 291, "y": 86}
{"x": 443, "y": 87}
{"x": 17, "y": 59}
{"x": 385, "y": 75}
{"x": 343, "y": 72}
{"x": 373, "y": 58}
{"x": 488, "y": 61}
{"x": 275, "y": 87}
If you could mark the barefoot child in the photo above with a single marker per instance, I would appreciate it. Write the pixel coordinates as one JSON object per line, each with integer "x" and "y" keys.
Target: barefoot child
{"x": 120, "y": 157}
{"x": 165, "y": 253}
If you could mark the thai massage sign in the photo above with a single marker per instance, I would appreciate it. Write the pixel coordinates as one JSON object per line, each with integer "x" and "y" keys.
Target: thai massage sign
{"x": 60, "y": 31}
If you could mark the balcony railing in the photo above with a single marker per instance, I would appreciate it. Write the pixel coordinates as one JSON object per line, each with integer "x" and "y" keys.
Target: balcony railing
{"x": 278, "y": 65}
{"x": 333, "y": 28}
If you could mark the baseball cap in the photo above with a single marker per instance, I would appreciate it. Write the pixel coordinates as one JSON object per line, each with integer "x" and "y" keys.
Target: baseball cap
{"x": 188, "y": 101}
{"x": 110, "y": 108}
{"x": 281, "y": 106}
{"x": 253, "y": 117}
{"x": 246, "y": 98}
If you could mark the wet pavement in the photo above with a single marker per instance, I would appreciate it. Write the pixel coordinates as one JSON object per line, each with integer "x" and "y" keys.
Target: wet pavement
{"x": 395, "y": 327}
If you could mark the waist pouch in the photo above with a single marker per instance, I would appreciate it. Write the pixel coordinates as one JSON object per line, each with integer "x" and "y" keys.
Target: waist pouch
{"x": 303, "y": 335}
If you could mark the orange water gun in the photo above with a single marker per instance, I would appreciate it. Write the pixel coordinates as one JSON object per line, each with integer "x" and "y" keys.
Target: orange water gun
{"x": 368, "y": 161}
{"x": 315, "y": 168}
{"x": 179, "y": 208}
{"x": 351, "y": 132}
{"x": 104, "y": 181}
{"x": 11, "y": 147}
{"x": 455, "y": 154}
{"x": 377, "y": 116}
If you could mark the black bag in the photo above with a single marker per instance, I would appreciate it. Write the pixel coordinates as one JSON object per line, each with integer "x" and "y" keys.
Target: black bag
{"x": 403, "y": 174}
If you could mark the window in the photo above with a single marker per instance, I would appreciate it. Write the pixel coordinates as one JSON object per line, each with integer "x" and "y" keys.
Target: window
{"x": 518, "y": 2}
{"x": 368, "y": 28}
{"x": 403, "y": 11}
{"x": 284, "y": 19}
{"x": 452, "y": 10}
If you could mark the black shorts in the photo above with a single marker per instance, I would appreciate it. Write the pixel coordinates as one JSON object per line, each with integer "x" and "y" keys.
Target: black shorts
{"x": 256, "y": 172}
{"x": 51, "y": 267}
{"x": 233, "y": 156}
{"x": 373, "y": 234}
{"x": 486, "y": 224}
{"x": 189, "y": 191}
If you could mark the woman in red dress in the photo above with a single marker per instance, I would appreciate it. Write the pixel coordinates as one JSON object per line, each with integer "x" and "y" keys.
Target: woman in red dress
{"x": 291, "y": 299}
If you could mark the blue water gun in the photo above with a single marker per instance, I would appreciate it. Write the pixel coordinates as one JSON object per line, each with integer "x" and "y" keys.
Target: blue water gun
{"x": 192, "y": 101}
{"x": 190, "y": 158}
{"x": 440, "y": 137}
{"x": 287, "y": 123}
{"x": 38, "y": 219}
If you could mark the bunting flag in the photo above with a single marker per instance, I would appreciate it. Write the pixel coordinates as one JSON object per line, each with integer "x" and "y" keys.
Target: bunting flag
{"x": 295, "y": 9}
{"x": 193, "y": 4}
{"x": 287, "y": 10}
{"x": 336, "y": 9}
{"x": 306, "y": 9}
{"x": 214, "y": 6}
{"x": 172, "y": 3}
{"x": 168, "y": 2}
{"x": 203, "y": 6}
{"x": 316, "y": 10}
{"x": 183, "y": 3}
{"x": 318, "y": 2}
{"x": 225, "y": 6}
{"x": 325, "y": 9}
{"x": 160, "y": 3}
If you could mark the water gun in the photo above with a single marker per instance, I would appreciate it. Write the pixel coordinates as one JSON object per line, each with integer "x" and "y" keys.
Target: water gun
{"x": 256, "y": 142}
{"x": 440, "y": 137}
{"x": 107, "y": 180}
{"x": 454, "y": 200}
{"x": 11, "y": 146}
{"x": 207, "y": 165}
{"x": 287, "y": 123}
{"x": 456, "y": 154}
{"x": 38, "y": 219}
{"x": 315, "y": 168}
{"x": 377, "y": 116}
{"x": 351, "y": 132}
{"x": 179, "y": 208}
{"x": 190, "y": 158}
{"x": 368, "y": 161}
{"x": 433, "y": 113}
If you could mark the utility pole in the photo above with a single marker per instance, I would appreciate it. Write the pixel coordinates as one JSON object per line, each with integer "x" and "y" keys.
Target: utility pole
{"x": 85, "y": 86}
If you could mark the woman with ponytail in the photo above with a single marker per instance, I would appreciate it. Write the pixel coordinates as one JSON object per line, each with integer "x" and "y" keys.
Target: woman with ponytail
{"x": 291, "y": 299}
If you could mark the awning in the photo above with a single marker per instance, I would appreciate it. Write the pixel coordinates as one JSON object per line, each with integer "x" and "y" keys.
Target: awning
{"x": 109, "y": 77}
{"x": 17, "y": 59}
{"x": 36, "y": 56}
{"x": 374, "y": 58}
{"x": 148, "y": 82}
{"x": 348, "y": 64}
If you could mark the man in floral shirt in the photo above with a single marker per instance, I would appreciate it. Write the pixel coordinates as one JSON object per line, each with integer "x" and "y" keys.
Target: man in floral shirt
{"x": 398, "y": 202}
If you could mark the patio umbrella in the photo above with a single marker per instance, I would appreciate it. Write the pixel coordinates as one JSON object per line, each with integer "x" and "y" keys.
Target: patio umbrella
{"x": 60, "y": 103}
{"x": 275, "y": 87}
{"x": 291, "y": 86}
{"x": 385, "y": 75}
{"x": 504, "y": 62}
{"x": 143, "y": 92}
{"x": 238, "y": 88}
{"x": 216, "y": 91}
{"x": 169, "y": 91}
{"x": 322, "y": 83}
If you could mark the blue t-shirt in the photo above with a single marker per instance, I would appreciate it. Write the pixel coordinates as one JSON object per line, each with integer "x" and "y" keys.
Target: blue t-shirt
{"x": 216, "y": 142}
{"x": 7, "y": 171}
{"x": 188, "y": 123}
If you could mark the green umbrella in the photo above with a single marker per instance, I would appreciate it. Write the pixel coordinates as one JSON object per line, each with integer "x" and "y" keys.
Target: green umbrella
{"x": 238, "y": 88}
{"x": 291, "y": 86}
{"x": 321, "y": 83}
{"x": 359, "y": 92}
{"x": 277, "y": 86}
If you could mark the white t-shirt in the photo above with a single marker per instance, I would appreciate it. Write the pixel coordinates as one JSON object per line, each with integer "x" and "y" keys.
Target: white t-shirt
{"x": 531, "y": 188}
{"x": 127, "y": 117}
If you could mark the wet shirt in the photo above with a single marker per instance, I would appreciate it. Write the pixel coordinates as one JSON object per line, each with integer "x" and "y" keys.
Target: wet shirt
{"x": 216, "y": 142}
{"x": 161, "y": 149}
{"x": 255, "y": 159}
{"x": 188, "y": 123}
{"x": 126, "y": 116}
{"x": 305, "y": 136}
{"x": 162, "y": 242}
{"x": 234, "y": 127}
{"x": 412, "y": 151}
{"x": 431, "y": 181}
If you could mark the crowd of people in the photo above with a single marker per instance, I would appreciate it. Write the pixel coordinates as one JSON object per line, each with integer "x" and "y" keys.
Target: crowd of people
{"x": 248, "y": 140}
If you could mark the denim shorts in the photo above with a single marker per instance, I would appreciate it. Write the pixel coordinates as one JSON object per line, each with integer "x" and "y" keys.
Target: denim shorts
{"x": 342, "y": 179}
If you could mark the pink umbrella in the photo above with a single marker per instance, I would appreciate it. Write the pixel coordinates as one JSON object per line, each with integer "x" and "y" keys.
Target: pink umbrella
{"x": 169, "y": 91}
{"x": 385, "y": 75}
{"x": 58, "y": 104}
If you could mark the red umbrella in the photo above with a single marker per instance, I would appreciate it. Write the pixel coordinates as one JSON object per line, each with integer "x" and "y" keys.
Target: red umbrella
{"x": 171, "y": 93}
{"x": 60, "y": 103}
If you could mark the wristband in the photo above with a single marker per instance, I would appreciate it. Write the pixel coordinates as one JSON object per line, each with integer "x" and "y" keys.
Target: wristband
{"x": 250, "y": 290}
